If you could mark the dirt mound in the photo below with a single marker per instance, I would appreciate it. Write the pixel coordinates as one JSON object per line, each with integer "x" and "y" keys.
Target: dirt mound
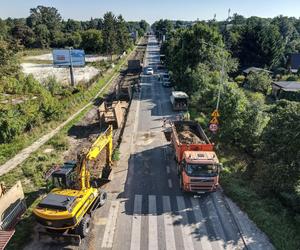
{"x": 188, "y": 137}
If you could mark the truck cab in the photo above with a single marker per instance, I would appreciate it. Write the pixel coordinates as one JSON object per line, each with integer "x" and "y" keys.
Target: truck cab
{"x": 199, "y": 171}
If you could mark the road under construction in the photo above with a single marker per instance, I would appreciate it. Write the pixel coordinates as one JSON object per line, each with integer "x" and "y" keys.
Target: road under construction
{"x": 146, "y": 209}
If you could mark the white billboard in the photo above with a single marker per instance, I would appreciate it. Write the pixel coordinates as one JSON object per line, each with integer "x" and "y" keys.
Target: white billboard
{"x": 66, "y": 57}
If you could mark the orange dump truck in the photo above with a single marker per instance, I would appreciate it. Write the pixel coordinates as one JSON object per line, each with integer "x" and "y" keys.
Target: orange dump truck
{"x": 198, "y": 166}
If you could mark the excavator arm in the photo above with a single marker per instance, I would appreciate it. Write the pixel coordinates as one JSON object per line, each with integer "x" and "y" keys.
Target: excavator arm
{"x": 103, "y": 141}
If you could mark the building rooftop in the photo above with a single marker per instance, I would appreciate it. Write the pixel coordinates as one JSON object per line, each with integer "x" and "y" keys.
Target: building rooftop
{"x": 255, "y": 69}
{"x": 288, "y": 85}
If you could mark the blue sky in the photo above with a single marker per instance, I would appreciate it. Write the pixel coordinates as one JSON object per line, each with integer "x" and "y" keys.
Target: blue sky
{"x": 152, "y": 10}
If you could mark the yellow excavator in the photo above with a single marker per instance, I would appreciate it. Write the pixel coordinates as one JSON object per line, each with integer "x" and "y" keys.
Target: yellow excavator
{"x": 67, "y": 210}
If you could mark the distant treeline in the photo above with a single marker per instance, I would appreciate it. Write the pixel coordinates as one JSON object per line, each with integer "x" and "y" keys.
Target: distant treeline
{"x": 254, "y": 41}
{"x": 45, "y": 28}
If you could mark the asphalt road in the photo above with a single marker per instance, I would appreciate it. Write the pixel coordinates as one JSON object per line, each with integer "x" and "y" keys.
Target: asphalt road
{"x": 146, "y": 209}
{"x": 156, "y": 215}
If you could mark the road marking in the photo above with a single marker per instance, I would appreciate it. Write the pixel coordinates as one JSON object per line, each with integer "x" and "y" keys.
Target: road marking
{"x": 186, "y": 229}
{"x": 168, "y": 223}
{"x": 215, "y": 221}
{"x": 110, "y": 228}
{"x": 153, "y": 236}
{"x": 136, "y": 223}
{"x": 168, "y": 169}
{"x": 200, "y": 225}
{"x": 165, "y": 154}
{"x": 170, "y": 183}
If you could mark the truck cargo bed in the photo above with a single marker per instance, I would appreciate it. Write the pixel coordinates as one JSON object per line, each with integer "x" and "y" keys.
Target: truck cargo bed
{"x": 189, "y": 136}
{"x": 189, "y": 132}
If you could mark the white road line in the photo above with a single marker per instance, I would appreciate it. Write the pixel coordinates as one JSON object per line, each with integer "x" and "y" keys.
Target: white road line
{"x": 215, "y": 221}
{"x": 165, "y": 154}
{"x": 170, "y": 183}
{"x": 153, "y": 236}
{"x": 168, "y": 222}
{"x": 110, "y": 228}
{"x": 135, "y": 126}
{"x": 168, "y": 169}
{"x": 136, "y": 223}
{"x": 186, "y": 229}
{"x": 200, "y": 225}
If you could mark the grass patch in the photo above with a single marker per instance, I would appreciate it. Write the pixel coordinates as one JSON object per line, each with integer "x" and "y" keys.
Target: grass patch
{"x": 278, "y": 222}
{"x": 116, "y": 155}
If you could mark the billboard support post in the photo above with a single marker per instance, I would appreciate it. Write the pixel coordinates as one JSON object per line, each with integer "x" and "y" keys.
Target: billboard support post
{"x": 71, "y": 68}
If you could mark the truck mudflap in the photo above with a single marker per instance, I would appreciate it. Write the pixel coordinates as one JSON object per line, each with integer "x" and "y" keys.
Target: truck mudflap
{"x": 66, "y": 237}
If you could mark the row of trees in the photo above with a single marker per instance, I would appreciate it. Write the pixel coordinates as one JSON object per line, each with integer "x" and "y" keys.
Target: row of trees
{"x": 24, "y": 102}
{"x": 194, "y": 56}
{"x": 45, "y": 28}
{"x": 254, "y": 41}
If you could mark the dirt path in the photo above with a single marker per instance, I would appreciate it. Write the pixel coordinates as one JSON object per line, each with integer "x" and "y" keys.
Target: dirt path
{"x": 25, "y": 153}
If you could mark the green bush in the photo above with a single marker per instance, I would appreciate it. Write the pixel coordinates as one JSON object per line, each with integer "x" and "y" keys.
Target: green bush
{"x": 239, "y": 79}
{"x": 292, "y": 78}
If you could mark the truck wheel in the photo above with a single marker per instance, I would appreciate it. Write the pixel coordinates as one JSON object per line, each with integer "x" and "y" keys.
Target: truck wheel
{"x": 103, "y": 198}
{"x": 84, "y": 226}
{"x": 178, "y": 171}
{"x": 181, "y": 183}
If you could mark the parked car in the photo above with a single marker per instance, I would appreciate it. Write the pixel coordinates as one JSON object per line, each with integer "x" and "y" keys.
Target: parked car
{"x": 149, "y": 71}
{"x": 165, "y": 77}
{"x": 167, "y": 84}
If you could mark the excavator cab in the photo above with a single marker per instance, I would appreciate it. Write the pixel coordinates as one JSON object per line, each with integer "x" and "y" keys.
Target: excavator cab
{"x": 65, "y": 177}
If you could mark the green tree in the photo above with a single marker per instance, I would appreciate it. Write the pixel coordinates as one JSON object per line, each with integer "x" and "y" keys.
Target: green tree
{"x": 259, "y": 81}
{"x": 123, "y": 41}
{"x": 144, "y": 26}
{"x": 261, "y": 44}
{"x": 42, "y": 36}
{"x": 74, "y": 40}
{"x": 109, "y": 33}
{"x": 71, "y": 26}
{"x": 233, "y": 108}
{"x": 281, "y": 148}
{"x": 45, "y": 22}
{"x": 9, "y": 65}
{"x": 255, "y": 121}
{"x": 92, "y": 41}
{"x": 48, "y": 16}
{"x": 23, "y": 34}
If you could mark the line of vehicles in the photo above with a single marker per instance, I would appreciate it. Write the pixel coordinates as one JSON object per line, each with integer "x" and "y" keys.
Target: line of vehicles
{"x": 66, "y": 212}
{"x": 198, "y": 166}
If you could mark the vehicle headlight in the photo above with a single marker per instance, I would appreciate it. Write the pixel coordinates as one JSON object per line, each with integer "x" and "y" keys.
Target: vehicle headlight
{"x": 49, "y": 223}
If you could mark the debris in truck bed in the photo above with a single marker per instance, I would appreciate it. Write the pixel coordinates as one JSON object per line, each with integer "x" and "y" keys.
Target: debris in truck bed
{"x": 188, "y": 137}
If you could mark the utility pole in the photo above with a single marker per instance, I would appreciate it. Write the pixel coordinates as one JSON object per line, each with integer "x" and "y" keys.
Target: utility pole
{"x": 71, "y": 68}
{"x": 221, "y": 80}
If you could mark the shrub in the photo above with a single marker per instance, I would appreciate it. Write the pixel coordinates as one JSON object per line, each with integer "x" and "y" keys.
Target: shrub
{"x": 239, "y": 79}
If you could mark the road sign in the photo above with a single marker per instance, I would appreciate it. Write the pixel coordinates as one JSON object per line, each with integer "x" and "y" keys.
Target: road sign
{"x": 214, "y": 120}
{"x": 68, "y": 57}
{"x": 213, "y": 127}
{"x": 215, "y": 113}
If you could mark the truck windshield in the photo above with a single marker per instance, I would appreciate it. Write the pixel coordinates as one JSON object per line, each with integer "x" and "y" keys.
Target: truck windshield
{"x": 201, "y": 169}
